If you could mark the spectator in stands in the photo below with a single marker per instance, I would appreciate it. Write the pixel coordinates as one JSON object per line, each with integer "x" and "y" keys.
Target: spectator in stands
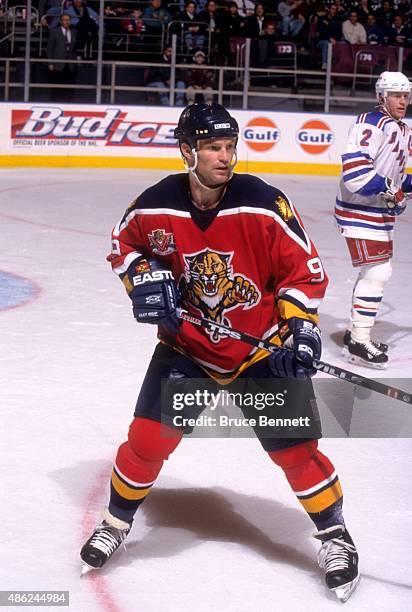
{"x": 46, "y": 5}
{"x": 285, "y": 10}
{"x": 233, "y": 23}
{"x": 159, "y": 77}
{"x": 134, "y": 25}
{"x": 50, "y": 12}
{"x": 246, "y": 8}
{"x": 342, "y": 12}
{"x": 295, "y": 25}
{"x": 255, "y": 24}
{"x": 374, "y": 34}
{"x": 155, "y": 17}
{"x": 193, "y": 33}
{"x": 385, "y": 15}
{"x": 85, "y": 20}
{"x": 200, "y": 4}
{"x": 263, "y": 48}
{"x": 112, "y": 18}
{"x": 403, "y": 7}
{"x": 61, "y": 45}
{"x": 199, "y": 82}
{"x": 400, "y": 33}
{"x": 353, "y": 31}
{"x": 329, "y": 30}
{"x": 234, "y": 26}
{"x": 363, "y": 9}
{"x": 215, "y": 23}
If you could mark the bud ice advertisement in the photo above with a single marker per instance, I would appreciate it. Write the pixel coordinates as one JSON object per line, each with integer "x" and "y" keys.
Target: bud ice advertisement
{"x": 133, "y": 136}
{"x": 125, "y": 136}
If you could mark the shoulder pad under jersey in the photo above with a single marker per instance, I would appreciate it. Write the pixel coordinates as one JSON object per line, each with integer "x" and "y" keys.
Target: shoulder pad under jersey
{"x": 376, "y": 118}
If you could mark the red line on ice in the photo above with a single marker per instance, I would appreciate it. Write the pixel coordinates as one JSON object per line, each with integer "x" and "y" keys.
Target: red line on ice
{"x": 97, "y": 582}
{"x": 56, "y": 227}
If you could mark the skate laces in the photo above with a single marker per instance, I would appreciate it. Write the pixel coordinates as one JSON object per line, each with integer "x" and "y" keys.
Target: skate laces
{"x": 334, "y": 555}
{"x": 371, "y": 347}
{"x": 376, "y": 344}
{"x": 107, "y": 538}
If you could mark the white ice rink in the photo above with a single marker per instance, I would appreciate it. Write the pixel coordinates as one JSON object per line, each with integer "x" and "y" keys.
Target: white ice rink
{"x": 222, "y": 529}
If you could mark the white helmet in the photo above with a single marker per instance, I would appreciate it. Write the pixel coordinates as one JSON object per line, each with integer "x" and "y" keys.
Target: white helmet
{"x": 389, "y": 82}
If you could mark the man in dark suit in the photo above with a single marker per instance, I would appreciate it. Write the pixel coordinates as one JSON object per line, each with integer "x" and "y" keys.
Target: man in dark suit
{"x": 61, "y": 45}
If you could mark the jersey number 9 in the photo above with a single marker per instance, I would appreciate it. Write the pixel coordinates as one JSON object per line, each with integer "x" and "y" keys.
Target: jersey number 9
{"x": 316, "y": 268}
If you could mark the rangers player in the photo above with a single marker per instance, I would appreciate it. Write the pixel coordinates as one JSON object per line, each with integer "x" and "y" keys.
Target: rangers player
{"x": 234, "y": 248}
{"x": 371, "y": 195}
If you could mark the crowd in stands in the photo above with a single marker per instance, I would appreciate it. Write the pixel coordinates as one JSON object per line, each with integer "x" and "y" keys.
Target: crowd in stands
{"x": 206, "y": 27}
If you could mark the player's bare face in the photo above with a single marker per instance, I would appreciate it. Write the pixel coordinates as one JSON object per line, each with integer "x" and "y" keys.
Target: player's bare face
{"x": 397, "y": 104}
{"x": 214, "y": 158}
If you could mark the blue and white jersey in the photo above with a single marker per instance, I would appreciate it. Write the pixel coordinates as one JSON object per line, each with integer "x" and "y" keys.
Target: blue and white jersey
{"x": 378, "y": 147}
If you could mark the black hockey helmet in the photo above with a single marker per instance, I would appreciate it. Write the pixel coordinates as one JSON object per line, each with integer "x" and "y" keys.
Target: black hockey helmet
{"x": 201, "y": 121}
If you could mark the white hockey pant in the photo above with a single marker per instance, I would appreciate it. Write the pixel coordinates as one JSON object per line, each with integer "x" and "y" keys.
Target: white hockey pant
{"x": 366, "y": 299}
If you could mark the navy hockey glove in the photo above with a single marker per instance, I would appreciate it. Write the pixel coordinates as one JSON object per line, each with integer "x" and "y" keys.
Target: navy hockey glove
{"x": 394, "y": 197}
{"x": 154, "y": 294}
{"x": 305, "y": 342}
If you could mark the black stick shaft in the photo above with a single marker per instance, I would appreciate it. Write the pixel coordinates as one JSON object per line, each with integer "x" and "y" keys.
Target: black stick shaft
{"x": 321, "y": 366}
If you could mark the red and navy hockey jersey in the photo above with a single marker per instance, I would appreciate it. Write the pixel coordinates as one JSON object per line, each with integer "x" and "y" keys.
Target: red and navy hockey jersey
{"x": 247, "y": 264}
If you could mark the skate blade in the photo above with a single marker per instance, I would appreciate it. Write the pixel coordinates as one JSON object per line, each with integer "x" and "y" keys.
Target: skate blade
{"x": 376, "y": 366}
{"x": 344, "y": 592}
{"x": 86, "y": 569}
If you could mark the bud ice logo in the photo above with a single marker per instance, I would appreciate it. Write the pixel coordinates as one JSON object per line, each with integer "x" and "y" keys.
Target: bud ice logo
{"x": 109, "y": 126}
{"x": 261, "y": 134}
{"x": 315, "y": 136}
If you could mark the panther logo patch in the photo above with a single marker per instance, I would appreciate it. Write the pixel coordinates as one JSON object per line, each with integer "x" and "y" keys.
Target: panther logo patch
{"x": 284, "y": 209}
{"x": 209, "y": 284}
{"x": 161, "y": 242}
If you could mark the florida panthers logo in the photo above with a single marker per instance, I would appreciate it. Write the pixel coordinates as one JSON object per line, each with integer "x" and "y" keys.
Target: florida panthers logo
{"x": 210, "y": 285}
{"x": 161, "y": 242}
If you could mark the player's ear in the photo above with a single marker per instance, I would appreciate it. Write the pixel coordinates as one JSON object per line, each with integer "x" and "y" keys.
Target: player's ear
{"x": 186, "y": 151}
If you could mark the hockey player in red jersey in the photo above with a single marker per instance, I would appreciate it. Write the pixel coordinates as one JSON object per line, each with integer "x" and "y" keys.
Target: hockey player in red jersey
{"x": 233, "y": 249}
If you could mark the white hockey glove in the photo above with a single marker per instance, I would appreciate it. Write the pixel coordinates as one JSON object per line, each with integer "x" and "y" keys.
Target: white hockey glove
{"x": 394, "y": 197}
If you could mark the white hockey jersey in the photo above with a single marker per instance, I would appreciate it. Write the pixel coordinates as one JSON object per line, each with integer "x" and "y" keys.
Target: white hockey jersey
{"x": 378, "y": 147}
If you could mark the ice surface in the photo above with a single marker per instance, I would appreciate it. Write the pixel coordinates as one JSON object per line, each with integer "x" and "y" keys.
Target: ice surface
{"x": 222, "y": 530}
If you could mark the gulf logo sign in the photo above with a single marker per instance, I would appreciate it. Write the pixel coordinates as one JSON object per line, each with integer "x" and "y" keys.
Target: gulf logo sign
{"x": 261, "y": 134}
{"x": 315, "y": 136}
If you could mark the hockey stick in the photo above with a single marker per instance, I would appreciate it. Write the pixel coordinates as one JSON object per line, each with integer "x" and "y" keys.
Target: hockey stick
{"x": 321, "y": 366}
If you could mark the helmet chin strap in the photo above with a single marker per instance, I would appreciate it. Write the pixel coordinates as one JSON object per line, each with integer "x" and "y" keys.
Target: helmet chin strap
{"x": 192, "y": 170}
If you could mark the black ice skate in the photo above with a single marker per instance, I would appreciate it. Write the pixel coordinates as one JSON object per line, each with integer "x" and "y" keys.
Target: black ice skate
{"x": 104, "y": 541}
{"x": 339, "y": 558}
{"x": 381, "y": 346}
{"x": 367, "y": 354}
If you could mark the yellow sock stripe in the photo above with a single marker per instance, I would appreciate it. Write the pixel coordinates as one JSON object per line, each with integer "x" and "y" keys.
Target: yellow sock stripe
{"x": 322, "y": 500}
{"x": 128, "y": 492}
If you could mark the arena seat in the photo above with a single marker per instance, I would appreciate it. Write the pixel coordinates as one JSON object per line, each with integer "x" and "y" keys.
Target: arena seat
{"x": 370, "y": 60}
